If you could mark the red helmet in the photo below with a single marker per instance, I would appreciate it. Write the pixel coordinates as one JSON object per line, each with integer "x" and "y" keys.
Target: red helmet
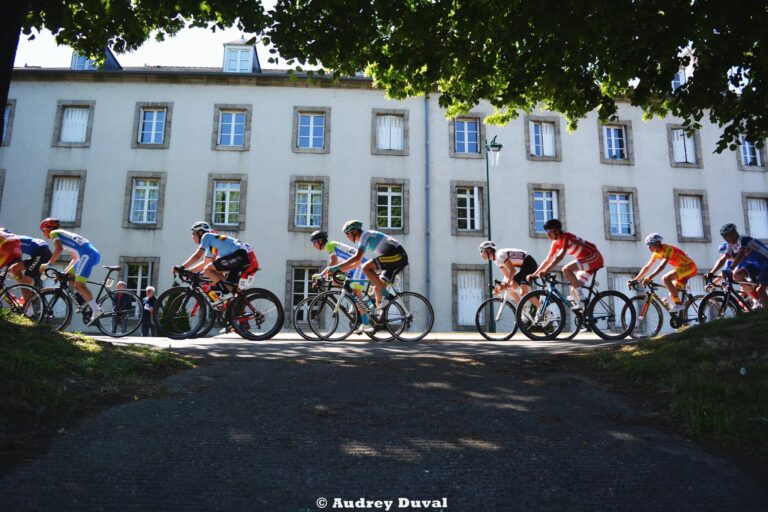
{"x": 50, "y": 223}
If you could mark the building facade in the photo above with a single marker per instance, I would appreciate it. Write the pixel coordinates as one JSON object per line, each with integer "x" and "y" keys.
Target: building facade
{"x": 130, "y": 158}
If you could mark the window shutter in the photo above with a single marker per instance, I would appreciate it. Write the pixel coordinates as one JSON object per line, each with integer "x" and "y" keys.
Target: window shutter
{"x": 532, "y": 136}
{"x": 548, "y": 139}
{"x": 469, "y": 296}
{"x": 690, "y": 149}
{"x": 757, "y": 212}
{"x": 384, "y": 134}
{"x": 396, "y": 133}
{"x": 691, "y": 224}
{"x": 74, "y": 124}
{"x": 607, "y": 134}
{"x": 64, "y": 199}
{"x": 620, "y": 284}
{"x": 678, "y": 145}
{"x": 478, "y": 210}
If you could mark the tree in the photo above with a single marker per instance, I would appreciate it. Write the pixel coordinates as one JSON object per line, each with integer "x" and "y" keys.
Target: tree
{"x": 569, "y": 56}
{"x": 89, "y": 26}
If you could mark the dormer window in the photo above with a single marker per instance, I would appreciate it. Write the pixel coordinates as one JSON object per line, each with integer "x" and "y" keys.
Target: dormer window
{"x": 679, "y": 79}
{"x": 81, "y": 63}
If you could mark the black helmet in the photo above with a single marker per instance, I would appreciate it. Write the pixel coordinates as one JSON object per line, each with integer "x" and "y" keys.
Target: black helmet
{"x": 727, "y": 228}
{"x": 553, "y": 224}
{"x": 318, "y": 235}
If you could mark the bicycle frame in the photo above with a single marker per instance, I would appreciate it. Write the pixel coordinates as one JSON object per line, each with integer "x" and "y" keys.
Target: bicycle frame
{"x": 731, "y": 293}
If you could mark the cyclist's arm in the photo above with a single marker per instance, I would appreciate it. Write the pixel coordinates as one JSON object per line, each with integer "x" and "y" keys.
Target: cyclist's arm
{"x": 333, "y": 260}
{"x": 658, "y": 269}
{"x": 57, "y": 248}
{"x": 551, "y": 261}
{"x": 719, "y": 263}
{"x": 509, "y": 271}
{"x": 643, "y": 270}
{"x": 738, "y": 257}
{"x": 351, "y": 263}
{"x": 198, "y": 254}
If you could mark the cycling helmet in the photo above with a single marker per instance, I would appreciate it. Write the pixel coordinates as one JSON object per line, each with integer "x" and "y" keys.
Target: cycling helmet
{"x": 318, "y": 235}
{"x": 352, "y": 225}
{"x": 727, "y": 228}
{"x": 487, "y": 245}
{"x": 653, "y": 239}
{"x": 553, "y": 224}
{"x": 201, "y": 225}
{"x": 50, "y": 223}
{"x": 723, "y": 247}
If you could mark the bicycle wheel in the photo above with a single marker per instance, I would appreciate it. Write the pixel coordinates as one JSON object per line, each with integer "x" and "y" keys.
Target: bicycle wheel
{"x": 58, "y": 308}
{"x": 691, "y": 313}
{"x": 23, "y": 299}
{"x": 122, "y": 313}
{"x": 334, "y": 315}
{"x": 716, "y": 305}
{"x": 611, "y": 315}
{"x": 544, "y": 322}
{"x": 213, "y": 317}
{"x": 496, "y": 319}
{"x": 256, "y": 314}
{"x": 300, "y": 318}
{"x": 179, "y": 313}
{"x": 411, "y": 319}
{"x": 650, "y": 317}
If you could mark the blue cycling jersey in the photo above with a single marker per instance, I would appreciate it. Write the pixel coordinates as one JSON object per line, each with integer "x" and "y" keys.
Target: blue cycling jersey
{"x": 31, "y": 246}
{"x": 73, "y": 243}
{"x": 218, "y": 246}
{"x": 755, "y": 251}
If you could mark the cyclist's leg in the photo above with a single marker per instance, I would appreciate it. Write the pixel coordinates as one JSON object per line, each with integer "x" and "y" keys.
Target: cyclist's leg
{"x": 391, "y": 266}
{"x": 371, "y": 269}
{"x": 81, "y": 271}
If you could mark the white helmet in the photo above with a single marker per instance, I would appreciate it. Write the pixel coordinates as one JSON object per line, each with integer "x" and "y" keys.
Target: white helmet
{"x": 201, "y": 225}
{"x": 487, "y": 245}
{"x": 653, "y": 239}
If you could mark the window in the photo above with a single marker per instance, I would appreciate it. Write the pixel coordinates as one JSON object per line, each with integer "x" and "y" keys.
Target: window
{"x": 616, "y": 143}
{"x": 152, "y": 127}
{"x": 232, "y": 128}
{"x": 309, "y": 204}
{"x": 144, "y": 200}
{"x": 544, "y": 208}
{"x": 542, "y": 138}
{"x": 469, "y": 215}
{"x": 301, "y": 285}
{"x": 620, "y": 211}
{"x": 139, "y": 272}
{"x": 468, "y": 289}
{"x": 467, "y": 140}
{"x": 8, "y": 114}
{"x": 226, "y": 202}
{"x": 389, "y": 132}
{"x": 679, "y": 79}
{"x": 389, "y": 206}
{"x": 684, "y": 147}
{"x": 64, "y": 200}
{"x": 692, "y": 215}
{"x": 756, "y": 213}
{"x": 74, "y": 123}
{"x": 311, "y": 129}
{"x": 751, "y": 156}
{"x": 81, "y": 63}
{"x": 238, "y": 60}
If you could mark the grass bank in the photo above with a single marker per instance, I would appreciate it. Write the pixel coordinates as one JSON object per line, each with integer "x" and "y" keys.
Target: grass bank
{"x": 712, "y": 378}
{"x": 50, "y": 379}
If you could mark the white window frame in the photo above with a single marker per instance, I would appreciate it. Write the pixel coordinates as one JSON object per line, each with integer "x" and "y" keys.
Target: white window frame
{"x": 390, "y": 127}
{"x": 81, "y": 63}
{"x": 551, "y": 200}
{"x": 683, "y": 147}
{"x": 242, "y": 65}
{"x": 617, "y": 201}
{"x": 231, "y": 207}
{"x": 74, "y": 131}
{"x": 542, "y": 140}
{"x": 749, "y": 155}
{"x": 227, "y": 139}
{"x": 388, "y": 193}
{"x": 312, "y": 117}
{"x": 146, "y": 185}
{"x": 688, "y": 230}
{"x": 153, "y": 123}
{"x": 64, "y": 199}
{"x": 611, "y": 141}
{"x": 306, "y": 193}
{"x": 473, "y": 210}
{"x": 757, "y": 223}
{"x": 143, "y": 277}
{"x": 679, "y": 79}
{"x": 465, "y": 138}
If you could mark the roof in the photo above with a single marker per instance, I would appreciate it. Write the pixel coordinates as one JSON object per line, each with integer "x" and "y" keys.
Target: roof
{"x": 242, "y": 41}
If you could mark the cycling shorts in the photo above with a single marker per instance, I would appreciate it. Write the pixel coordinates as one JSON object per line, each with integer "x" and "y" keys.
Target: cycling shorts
{"x": 757, "y": 273}
{"x": 591, "y": 265}
{"x": 684, "y": 272}
{"x": 32, "y": 265}
{"x": 389, "y": 265}
{"x": 235, "y": 263}
{"x": 528, "y": 267}
{"x": 84, "y": 265}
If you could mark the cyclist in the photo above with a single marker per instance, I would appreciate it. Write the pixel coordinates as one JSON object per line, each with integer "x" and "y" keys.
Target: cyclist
{"x": 515, "y": 264}
{"x": 36, "y": 252}
{"x": 84, "y": 257}
{"x": 675, "y": 280}
{"x": 578, "y": 272}
{"x": 337, "y": 252}
{"x": 389, "y": 257}
{"x": 750, "y": 260}
{"x": 10, "y": 248}
{"x": 217, "y": 254}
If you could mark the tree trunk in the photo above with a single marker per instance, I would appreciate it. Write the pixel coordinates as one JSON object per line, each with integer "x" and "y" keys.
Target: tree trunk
{"x": 11, "y": 17}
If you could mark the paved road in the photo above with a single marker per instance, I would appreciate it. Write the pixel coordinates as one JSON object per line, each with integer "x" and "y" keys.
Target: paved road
{"x": 279, "y": 425}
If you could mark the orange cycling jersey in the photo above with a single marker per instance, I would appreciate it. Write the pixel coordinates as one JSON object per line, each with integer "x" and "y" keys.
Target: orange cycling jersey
{"x": 10, "y": 248}
{"x": 576, "y": 247}
{"x": 675, "y": 256}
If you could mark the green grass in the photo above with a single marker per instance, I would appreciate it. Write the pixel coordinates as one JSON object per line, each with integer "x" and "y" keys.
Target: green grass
{"x": 49, "y": 379}
{"x": 713, "y": 378}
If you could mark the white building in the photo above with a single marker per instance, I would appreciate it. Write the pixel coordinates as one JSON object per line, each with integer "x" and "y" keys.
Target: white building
{"x": 131, "y": 157}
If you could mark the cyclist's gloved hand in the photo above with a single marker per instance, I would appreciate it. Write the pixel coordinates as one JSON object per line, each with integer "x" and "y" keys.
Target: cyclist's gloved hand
{"x": 728, "y": 273}
{"x": 44, "y": 267}
{"x": 646, "y": 281}
{"x": 708, "y": 276}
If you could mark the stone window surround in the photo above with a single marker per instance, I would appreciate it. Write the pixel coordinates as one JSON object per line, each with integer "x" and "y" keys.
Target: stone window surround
{"x": 455, "y": 269}
{"x": 2, "y": 186}
{"x": 326, "y": 129}
{"x": 11, "y": 106}
{"x": 217, "y": 108}
{"x": 558, "y": 145}
{"x": 696, "y": 142}
{"x": 707, "y": 238}
{"x": 751, "y": 168}
{"x": 632, "y": 191}
{"x": 404, "y": 183}
{"x": 213, "y": 177}
{"x": 137, "y": 120}
{"x": 375, "y": 113}
{"x": 60, "y": 106}
{"x": 326, "y": 181}
{"x": 612, "y": 271}
{"x": 476, "y": 116}
{"x": 131, "y": 176}
{"x": 455, "y": 209}
{"x": 627, "y": 125}
{"x": 154, "y": 275}
{"x": 48, "y": 197}
{"x": 532, "y": 187}
{"x": 744, "y": 197}
{"x": 290, "y": 265}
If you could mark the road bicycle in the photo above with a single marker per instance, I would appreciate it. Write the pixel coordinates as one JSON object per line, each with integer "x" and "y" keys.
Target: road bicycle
{"x": 650, "y": 310}
{"x": 609, "y": 314}
{"x": 496, "y": 317}
{"x": 122, "y": 308}
{"x": 726, "y": 302}
{"x": 301, "y": 312}
{"x": 407, "y": 316}
{"x": 185, "y": 311}
{"x": 21, "y": 299}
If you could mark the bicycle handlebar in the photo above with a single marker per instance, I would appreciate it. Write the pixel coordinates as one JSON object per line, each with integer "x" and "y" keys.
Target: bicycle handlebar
{"x": 187, "y": 276}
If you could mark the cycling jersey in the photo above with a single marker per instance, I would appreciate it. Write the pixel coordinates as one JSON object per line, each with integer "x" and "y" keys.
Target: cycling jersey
{"x": 343, "y": 251}
{"x": 585, "y": 252}
{"x": 755, "y": 260}
{"x": 516, "y": 256}
{"x": 10, "y": 248}
{"x": 218, "y": 246}
{"x": 674, "y": 256}
{"x": 31, "y": 247}
{"x": 378, "y": 243}
{"x": 82, "y": 250}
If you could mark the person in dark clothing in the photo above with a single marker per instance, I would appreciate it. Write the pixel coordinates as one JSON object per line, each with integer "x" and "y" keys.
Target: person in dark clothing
{"x": 147, "y": 326}
{"x": 121, "y": 308}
